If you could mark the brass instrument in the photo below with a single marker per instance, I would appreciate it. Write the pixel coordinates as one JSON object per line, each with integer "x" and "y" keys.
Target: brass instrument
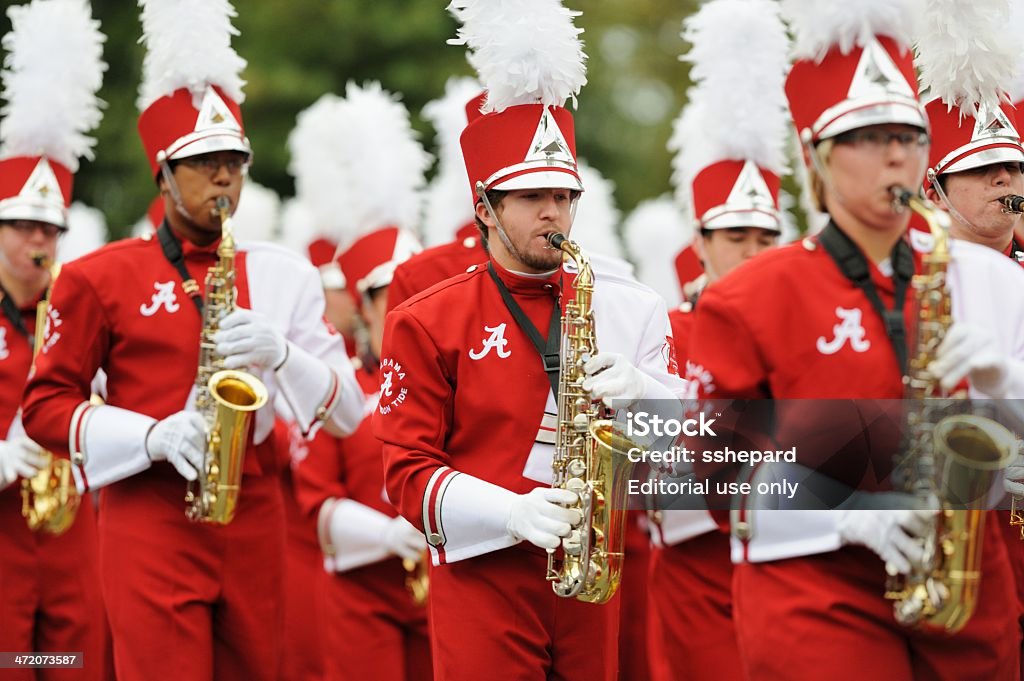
{"x": 953, "y": 458}
{"x": 590, "y": 457}
{"x": 417, "y": 578}
{"x": 225, "y": 397}
{"x": 49, "y": 499}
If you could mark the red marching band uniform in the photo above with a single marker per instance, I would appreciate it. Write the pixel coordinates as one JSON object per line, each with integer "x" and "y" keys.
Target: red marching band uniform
{"x": 50, "y": 599}
{"x": 185, "y": 599}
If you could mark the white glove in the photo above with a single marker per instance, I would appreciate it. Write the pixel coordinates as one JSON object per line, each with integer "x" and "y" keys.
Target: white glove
{"x": 179, "y": 439}
{"x": 538, "y": 518}
{"x": 969, "y": 350}
{"x": 19, "y": 457}
{"x": 248, "y": 339}
{"x": 894, "y": 533}
{"x": 1013, "y": 476}
{"x": 404, "y": 540}
{"x": 611, "y": 378}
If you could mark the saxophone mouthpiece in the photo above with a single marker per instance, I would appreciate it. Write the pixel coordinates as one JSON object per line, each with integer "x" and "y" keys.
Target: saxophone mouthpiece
{"x": 40, "y": 259}
{"x": 901, "y": 197}
{"x": 223, "y": 203}
{"x": 556, "y": 239}
{"x": 1012, "y": 203}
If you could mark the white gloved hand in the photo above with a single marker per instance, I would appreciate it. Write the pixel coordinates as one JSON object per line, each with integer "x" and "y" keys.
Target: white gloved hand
{"x": 894, "y": 533}
{"x": 969, "y": 350}
{"x": 612, "y": 378}
{"x": 1013, "y": 476}
{"x": 248, "y": 339}
{"x": 404, "y": 540}
{"x": 538, "y": 517}
{"x": 19, "y": 457}
{"x": 180, "y": 439}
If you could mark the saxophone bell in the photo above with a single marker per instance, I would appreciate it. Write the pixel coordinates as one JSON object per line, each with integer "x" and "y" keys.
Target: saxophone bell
{"x": 1012, "y": 204}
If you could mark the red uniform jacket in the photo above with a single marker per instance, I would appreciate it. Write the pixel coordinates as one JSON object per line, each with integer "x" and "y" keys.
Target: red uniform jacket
{"x": 463, "y": 395}
{"x": 436, "y": 264}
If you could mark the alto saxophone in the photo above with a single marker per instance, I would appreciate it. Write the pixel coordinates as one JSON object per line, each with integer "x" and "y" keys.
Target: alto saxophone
{"x": 225, "y": 397}
{"x": 954, "y": 459}
{"x": 590, "y": 457}
{"x": 49, "y": 499}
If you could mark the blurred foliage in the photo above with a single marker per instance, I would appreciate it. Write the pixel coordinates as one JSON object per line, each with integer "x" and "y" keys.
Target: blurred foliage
{"x": 299, "y": 49}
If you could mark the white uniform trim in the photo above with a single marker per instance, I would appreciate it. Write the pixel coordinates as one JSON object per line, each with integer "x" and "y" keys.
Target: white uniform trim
{"x": 356, "y": 533}
{"x": 474, "y": 514}
{"x": 113, "y": 444}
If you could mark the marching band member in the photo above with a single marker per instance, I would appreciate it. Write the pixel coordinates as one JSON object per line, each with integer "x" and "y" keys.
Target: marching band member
{"x": 467, "y": 444}
{"x": 802, "y": 325}
{"x": 975, "y": 160}
{"x": 730, "y": 154}
{"x": 186, "y": 600}
{"x": 373, "y": 627}
{"x": 50, "y": 582}
{"x": 446, "y": 210}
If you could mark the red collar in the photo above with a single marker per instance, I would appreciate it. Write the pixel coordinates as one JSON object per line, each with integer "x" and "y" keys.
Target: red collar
{"x": 527, "y": 285}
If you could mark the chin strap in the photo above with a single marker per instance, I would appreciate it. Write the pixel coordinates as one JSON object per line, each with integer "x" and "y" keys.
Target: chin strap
{"x": 957, "y": 215}
{"x": 819, "y": 167}
{"x": 172, "y": 187}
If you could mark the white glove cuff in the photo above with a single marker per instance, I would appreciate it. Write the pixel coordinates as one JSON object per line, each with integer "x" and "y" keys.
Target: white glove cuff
{"x": 110, "y": 442}
{"x": 356, "y": 534}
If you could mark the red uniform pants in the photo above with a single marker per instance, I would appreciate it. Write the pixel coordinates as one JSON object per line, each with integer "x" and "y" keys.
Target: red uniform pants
{"x": 634, "y": 664}
{"x": 373, "y": 629}
{"x": 691, "y": 592}
{"x": 1015, "y": 551}
{"x": 189, "y": 600}
{"x": 823, "y": 618}
{"x": 50, "y": 593}
{"x": 495, "y": 617}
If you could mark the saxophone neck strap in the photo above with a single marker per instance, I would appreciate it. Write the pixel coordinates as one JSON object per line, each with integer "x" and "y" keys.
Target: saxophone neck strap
{"x": 171, "y": 248}
{"x": 13, "y": 314}
{"x": 854, "y": 266}
{"x": 550, "y": 351}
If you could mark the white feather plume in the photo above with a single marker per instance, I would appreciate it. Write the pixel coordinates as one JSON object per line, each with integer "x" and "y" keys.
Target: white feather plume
{"x": 448, "y": 203}
{"x": 597, "y": 217}
{"x": 818, "y": 25}
{"x": 967, "y": 52}
{"x": 53, "y": 69}
{"x": 525, "y": 51}
{"x": 655, "y": 232}
{"x": 1015, "y": 86}
{"x": 298, "y": 226}
{"x": 188, "y": 45}
{"x": 317, "y": 164}
{"x": 358, "y": 164}
{"x": 258, "y": 213}
{"x": 737, "y": 106}
{"x": 87, "y": 231}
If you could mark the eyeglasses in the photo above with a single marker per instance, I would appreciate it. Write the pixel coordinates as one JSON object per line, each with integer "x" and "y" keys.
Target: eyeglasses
{"x": 209, "y": 165}
{"x": 877, "y": 139}
{"x": 28, "y": 227}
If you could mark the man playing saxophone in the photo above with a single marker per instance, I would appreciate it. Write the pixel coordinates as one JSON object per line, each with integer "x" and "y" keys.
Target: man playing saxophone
{"x": 827, "y": 322}
{"x": 50, "y": 581}
{"x": 467, "y": 412}
{"x": 187, "y": 600}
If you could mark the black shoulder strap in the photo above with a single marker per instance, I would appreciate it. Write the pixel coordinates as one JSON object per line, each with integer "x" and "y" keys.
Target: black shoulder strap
{"x": 550, "y": 352}
{"x": 171, "y": 247}
{"x": 13, "y": 314}
{"x": 852, "y": 263}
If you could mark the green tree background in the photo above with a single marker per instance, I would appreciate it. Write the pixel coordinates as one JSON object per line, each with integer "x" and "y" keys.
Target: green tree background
{"x": 300, "y": 49}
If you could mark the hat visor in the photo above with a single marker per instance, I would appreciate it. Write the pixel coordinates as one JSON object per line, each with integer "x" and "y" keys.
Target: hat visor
{"x": 20, "y": 208}
{"x": 732, "y": 219}
{"x": 853, "y": 114}
{"x": 540, "y": 179}
{"x": 207, "y": 143}
{"x": 1008, "y": 153}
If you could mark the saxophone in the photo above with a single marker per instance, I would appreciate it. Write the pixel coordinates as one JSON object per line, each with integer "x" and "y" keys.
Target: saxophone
{"x": 226, "y": 398}
{"x": 590, "y": 457}
{"x": 49, "y": 499}
{"x": 954, "y": 458}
